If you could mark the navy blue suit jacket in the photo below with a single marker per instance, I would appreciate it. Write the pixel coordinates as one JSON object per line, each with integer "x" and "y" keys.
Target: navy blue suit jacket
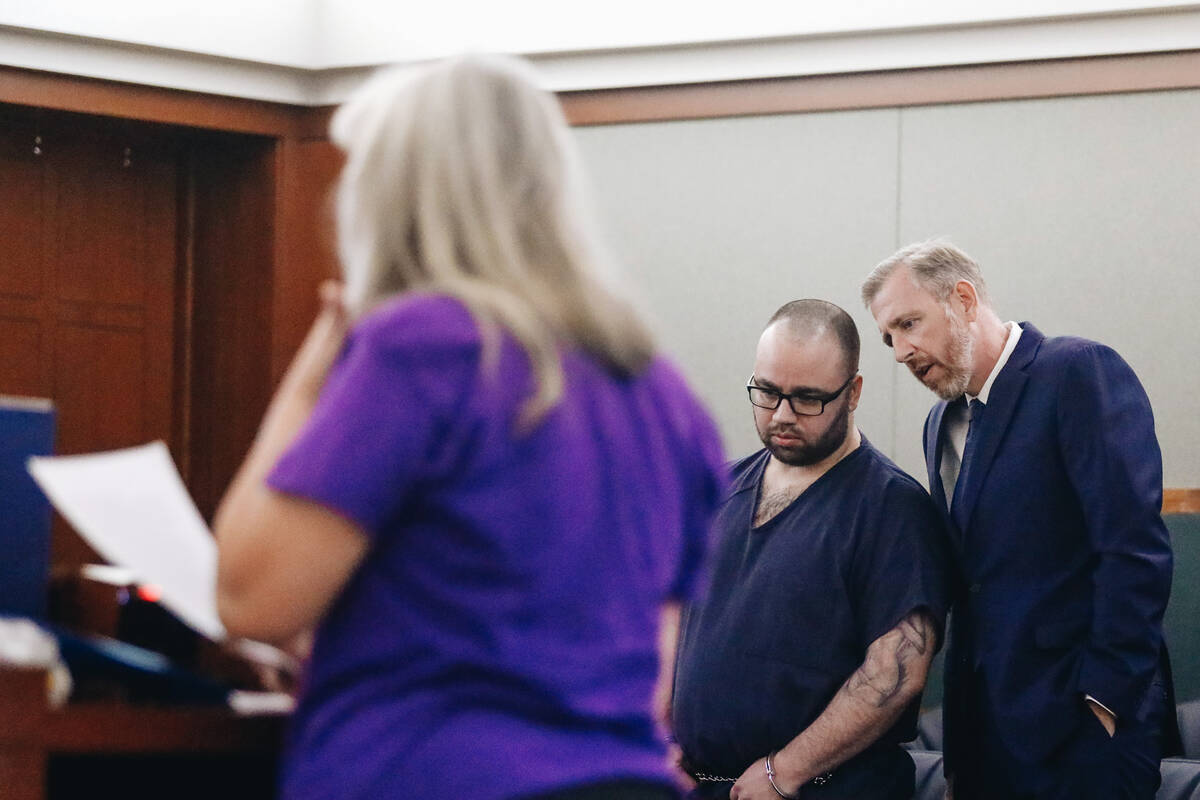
{"x": 1064, "y": 561}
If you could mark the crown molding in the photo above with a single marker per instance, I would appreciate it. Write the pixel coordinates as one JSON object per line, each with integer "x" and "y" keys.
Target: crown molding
{"x": 887, "y": 89}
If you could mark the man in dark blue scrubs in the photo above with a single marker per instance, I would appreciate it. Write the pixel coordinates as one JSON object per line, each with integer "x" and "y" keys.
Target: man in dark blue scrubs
{"x": 800, "y": 672}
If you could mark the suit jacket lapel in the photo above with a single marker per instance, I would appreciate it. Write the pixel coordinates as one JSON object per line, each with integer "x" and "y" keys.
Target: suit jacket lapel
{"x": 1002, "y": 403}
{"x": 933, "y": 452}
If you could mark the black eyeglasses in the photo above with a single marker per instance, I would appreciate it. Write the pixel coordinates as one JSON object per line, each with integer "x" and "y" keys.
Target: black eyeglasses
{"x": 804, "y": 404}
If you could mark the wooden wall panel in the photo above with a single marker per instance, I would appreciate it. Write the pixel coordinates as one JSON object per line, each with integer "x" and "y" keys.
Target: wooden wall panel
{"x": 305, "y": 241}
{"x": 26, "y": 283}
{"x": 20, "y": 356}
{"x": 233, "y": 182}
{"x": 99, "y": 225}
{"x": 22, "y": 210}
{"x": 99, "y": 378}
{"x": 159, "y": 168}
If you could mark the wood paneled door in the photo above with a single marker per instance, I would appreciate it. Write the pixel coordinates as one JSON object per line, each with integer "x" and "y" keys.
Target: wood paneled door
{"x": 157, "y": 270}
{"x": 89, "y": 268}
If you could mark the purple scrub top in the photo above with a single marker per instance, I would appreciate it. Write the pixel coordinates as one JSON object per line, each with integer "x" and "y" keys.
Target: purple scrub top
{"x": 499, "y": 638}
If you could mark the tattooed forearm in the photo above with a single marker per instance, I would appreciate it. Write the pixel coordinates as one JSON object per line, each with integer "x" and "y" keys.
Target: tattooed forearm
{"x": 876, "y": 684}
{"x": 869, "y": 702}
{"x": 895, "y": 665}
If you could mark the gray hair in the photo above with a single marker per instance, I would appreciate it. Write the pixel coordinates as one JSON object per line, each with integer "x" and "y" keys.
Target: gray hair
{"x": 461, "y": 178}
{"x": 936, "y": 266}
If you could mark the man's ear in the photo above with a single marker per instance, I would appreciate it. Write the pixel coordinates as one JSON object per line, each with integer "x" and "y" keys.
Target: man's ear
{"x": 965, "y": 294}
{"x": 855, "y": 390}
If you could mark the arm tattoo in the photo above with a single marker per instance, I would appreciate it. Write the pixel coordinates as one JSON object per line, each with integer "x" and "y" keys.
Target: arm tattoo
{"x": 887, "y": 670}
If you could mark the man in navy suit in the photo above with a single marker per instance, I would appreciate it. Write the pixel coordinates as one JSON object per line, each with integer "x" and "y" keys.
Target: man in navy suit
{"x": 1042, "y": 454}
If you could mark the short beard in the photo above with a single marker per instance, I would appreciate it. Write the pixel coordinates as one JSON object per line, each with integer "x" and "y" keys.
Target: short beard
{"x": 958, "y": 364}
{"x": 805, "y": 455}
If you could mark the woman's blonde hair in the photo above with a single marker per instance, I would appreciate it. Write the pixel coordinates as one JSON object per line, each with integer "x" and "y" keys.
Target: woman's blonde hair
{"x": 461, "y": 179}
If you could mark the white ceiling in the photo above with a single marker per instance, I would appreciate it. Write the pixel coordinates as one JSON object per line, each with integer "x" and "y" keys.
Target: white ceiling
{"x": 314, "y": 51}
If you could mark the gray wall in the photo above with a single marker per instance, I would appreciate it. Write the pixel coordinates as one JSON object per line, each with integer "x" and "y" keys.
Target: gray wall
{"x": 1082, "y": 212}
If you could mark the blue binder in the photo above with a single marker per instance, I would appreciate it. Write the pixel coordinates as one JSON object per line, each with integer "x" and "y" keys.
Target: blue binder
{"x": 26, "y": 429}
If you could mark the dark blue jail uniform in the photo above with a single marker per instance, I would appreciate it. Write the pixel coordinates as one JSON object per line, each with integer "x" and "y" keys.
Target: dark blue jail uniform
{"x": 793, "y": 606}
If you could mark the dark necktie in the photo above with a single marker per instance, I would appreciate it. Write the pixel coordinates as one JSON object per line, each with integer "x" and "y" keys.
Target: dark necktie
{"x": 974, "y": 417}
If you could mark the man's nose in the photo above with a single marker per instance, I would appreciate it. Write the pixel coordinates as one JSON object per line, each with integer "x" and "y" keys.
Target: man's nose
{"x": 784, "y": 412}
{"x": 901, "y": 349}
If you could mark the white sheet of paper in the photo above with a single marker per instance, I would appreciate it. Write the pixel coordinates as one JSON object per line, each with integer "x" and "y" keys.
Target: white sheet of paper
{"x": 132, "y": 507}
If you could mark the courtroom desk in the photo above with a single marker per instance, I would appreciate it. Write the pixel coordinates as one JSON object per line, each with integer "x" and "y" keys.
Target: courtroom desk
{"x": 102, "y": 750}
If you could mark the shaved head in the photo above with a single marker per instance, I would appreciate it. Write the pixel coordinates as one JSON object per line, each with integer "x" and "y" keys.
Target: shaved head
{"x": 812, "y": 319}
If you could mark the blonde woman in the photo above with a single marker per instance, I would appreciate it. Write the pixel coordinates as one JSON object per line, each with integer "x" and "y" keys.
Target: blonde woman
{"x": 478, "y": 481}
